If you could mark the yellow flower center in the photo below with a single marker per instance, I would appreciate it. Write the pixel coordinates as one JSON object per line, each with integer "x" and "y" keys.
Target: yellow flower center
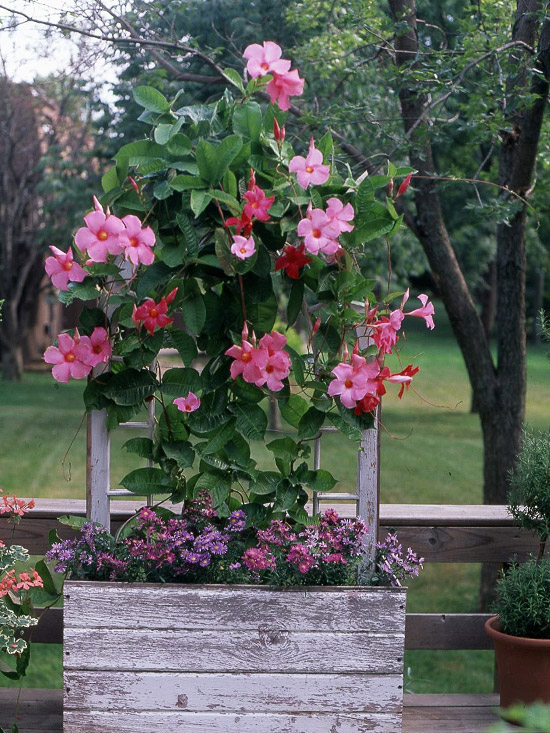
{"x": 348, "y": 384}
{"x": 245, "y": 356}
{"x": 102, "y": 235}
{"x": 133, "y": 241}
{"x": 68, "y": 265}
{"x": 153, "y": 312}
{"x": 309, "y": 169}
{"x": 316, "y": 233}
{"x": 70, "y": 356}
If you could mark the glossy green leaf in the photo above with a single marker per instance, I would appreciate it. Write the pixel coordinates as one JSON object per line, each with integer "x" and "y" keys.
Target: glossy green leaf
{"x": 144, "y": 481}
{"x": 131, "y": 386}
{"x": 151, "y": 99}
{"x": 178, "y": 382}
{"x": 251, "y": 420}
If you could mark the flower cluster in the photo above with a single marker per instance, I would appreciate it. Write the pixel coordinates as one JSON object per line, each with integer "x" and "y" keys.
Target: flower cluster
{"x": 266, "y": 59}
{"x": 75, "y": 356}
{"x": 393, "y": 566}
{"x": 105, "y": 234}
{"x": 267, "y": 363}
{"x": 13, "y": 582}
{"x": 14, "y": 506}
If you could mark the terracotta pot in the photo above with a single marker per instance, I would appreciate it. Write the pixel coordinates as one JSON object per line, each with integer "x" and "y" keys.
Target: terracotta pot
{"x": 523, "y": 666}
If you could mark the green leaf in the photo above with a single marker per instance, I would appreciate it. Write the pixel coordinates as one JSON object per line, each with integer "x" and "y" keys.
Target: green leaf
{"x": 286, "y": 496}
{"x": 72, "y": 521}
{"x": 185, "y": 344}
{"x": 181, "y": 451}
{"x": 186, "y": 183}
{"x": 295, "y": 301}
{"x": 284, "y": 448}
{"x": 247, "y": 120}
{"x": 251, "y": 420}
{"x": 163, "y": 134}
{"x": 326, "y": 145}
{"x": 293, "y": 409}
{"x": 171, "y": 425}
{"x": 141, "y": 153}
{"x": 178, "y": 382}
{"x": 151, "y": 99}
{"x": 320, "y": 480}
{"x": 194, "y": 313}
{"x": 109, "y": 180}
{"x": 245, "y": 391}
{"x": 231, "y": 203}
{"x": 223, "y": 253}
{"x": 81, "y": 291}
{"x": 265, "y": 482}
{"x": 131, "y": 386}
{"x": 43, "y": 570}
{"x": 222, "y": 436}
{"x": 235, "y": 78}
{"x": 148, "y": 480}
{"x": 297, "y": 365}
{"x": 374, "y": 222}
{"x": 199, "y": 201}
{"x": 213, "y": 161}
{"x": 229, "y": 183}
{"x": 179, "y": 144}
{"x": 310, "y": 423}
{"x": 154, "y": 275}
{"x": 188, "y": 231}
{"x": 141, "y": 446}
{"x": 217, "y": 485}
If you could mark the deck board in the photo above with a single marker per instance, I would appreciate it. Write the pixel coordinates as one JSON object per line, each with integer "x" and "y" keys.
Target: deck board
{"x": 41, "y": 710}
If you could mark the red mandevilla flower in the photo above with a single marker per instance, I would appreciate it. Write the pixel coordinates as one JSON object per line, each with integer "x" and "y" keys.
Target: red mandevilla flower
{"x": 153, "y": 315}
{"x": 292, "y": 260}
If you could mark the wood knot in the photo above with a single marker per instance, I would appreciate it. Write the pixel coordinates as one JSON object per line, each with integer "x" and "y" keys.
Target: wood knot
{"x": 271, "y": 637}
{"x": 182, "y": 702}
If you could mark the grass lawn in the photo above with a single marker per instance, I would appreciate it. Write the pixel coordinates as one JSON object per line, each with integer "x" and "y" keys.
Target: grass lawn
{"x": 431, "y": 453}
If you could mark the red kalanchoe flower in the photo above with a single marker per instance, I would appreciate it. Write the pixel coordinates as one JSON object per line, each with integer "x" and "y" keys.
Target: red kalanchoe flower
{"x": 151, "y": 314}
{"x": 292, "y": 260}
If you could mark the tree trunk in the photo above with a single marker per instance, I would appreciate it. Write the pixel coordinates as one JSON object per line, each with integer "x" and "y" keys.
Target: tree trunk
{"x": 499, "y": 390}
{"x": 12, "y": 363}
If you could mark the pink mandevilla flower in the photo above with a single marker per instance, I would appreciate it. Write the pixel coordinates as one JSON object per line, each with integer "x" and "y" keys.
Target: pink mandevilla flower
{"x": 189, "y": 403}
{"x": 265, "y": 59}
{"x": 257, "y": 204}
{"x": 244, "y": 361}
{"x": 319, "y": 232}
{"x": 310, "y": 169}
{"x": 100, "y": 236}
{"x": 100, "y": 346}
{"x": 62, "y": 268}
{"x": 284, "y": 86}
{"x": 71, "y": 357}
{"x": 243, "y": 248}
{"x": 353, "y": 381}
{"x": 273, "y": 363}
{"x": 426, "y": 312}
{"x": 137, "y": 242}
{"x": 340, "y": 214}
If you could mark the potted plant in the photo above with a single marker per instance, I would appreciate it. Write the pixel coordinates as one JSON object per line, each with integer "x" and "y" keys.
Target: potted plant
{"x": 521, "y": 630}
{"x": 205, "y": 227}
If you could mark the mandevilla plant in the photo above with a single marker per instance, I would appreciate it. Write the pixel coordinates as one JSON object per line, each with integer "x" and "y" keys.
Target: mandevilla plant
{"x": 204, "y": 229}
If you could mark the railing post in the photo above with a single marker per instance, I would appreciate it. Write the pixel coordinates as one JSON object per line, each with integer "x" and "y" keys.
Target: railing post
{"x": 368, "y": 490}
{"x": 98, "y": 468}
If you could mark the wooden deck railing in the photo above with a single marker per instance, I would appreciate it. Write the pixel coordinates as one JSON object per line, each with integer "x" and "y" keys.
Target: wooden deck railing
{"x": 440, "y": 533}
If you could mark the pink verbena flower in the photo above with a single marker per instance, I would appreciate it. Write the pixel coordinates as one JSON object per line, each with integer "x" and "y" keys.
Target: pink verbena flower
{"x": 100, "y": 347}
{"x": 62, "y": 268}
{"x": 137, "y": 241}
{"x": 311, "y": 168}
{"x": 319, "y": 232}
{"x": 284, "y": 86}
{"x": 243, "y": 248}
{"x": 153, "y": 315}
{"x": 257, "y": 204}
{"x": 265, "y": 59}
{"x": 189, "y": 403}
{"x": 100, "y": 236}
{"x": 71, "y": 357}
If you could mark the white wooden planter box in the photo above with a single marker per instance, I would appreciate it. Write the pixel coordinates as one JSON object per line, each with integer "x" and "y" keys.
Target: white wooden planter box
{"x": 232, "y": 659}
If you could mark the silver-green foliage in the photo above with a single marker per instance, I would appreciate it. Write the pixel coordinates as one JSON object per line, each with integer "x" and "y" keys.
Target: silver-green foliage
{"x": 529, "y": 496}
{"x": 524, "y": 599}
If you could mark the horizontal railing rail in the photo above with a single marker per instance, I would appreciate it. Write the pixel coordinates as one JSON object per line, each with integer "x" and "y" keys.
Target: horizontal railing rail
{"x": 440, "y": 533}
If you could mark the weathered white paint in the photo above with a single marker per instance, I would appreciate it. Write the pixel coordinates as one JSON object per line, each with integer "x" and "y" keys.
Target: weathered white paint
{"x": 100, "y": 721}
{"x": 257, "y": 650}
{"x": 218, "y": 692}
{"x": 98, "y": 468}
{"x": 152, "y": 606}
{"x": 148, "y": 657}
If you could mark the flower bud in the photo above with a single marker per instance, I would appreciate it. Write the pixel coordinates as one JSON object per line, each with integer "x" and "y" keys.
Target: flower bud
{"x": 134, "y": 184}
{"x": 251, "y": 180}
{"x": 404, "y": 186}
{"x": 316, "y": 326}
{"x": 279, "y": 132}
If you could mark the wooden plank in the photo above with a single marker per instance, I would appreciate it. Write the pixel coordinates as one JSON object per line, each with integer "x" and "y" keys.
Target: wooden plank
{"x": 445, "y": 515}
{"x": 97, "y": 721}
{"x": 368, "y": 492}
{"x": 226, "y": 693}
{"x": 188, "y": 650}
{"x": 446, "y": 631}
{"x": 422, "y": 630}
{"x": 153, "y": 606}
{"x": 98, "y": 464}
{"x": 468, "y": 544}
{"x": 36, "y": 710}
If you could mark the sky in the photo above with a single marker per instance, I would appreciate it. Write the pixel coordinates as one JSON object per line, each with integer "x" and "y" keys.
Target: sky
{"x": 25, "y": 50}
